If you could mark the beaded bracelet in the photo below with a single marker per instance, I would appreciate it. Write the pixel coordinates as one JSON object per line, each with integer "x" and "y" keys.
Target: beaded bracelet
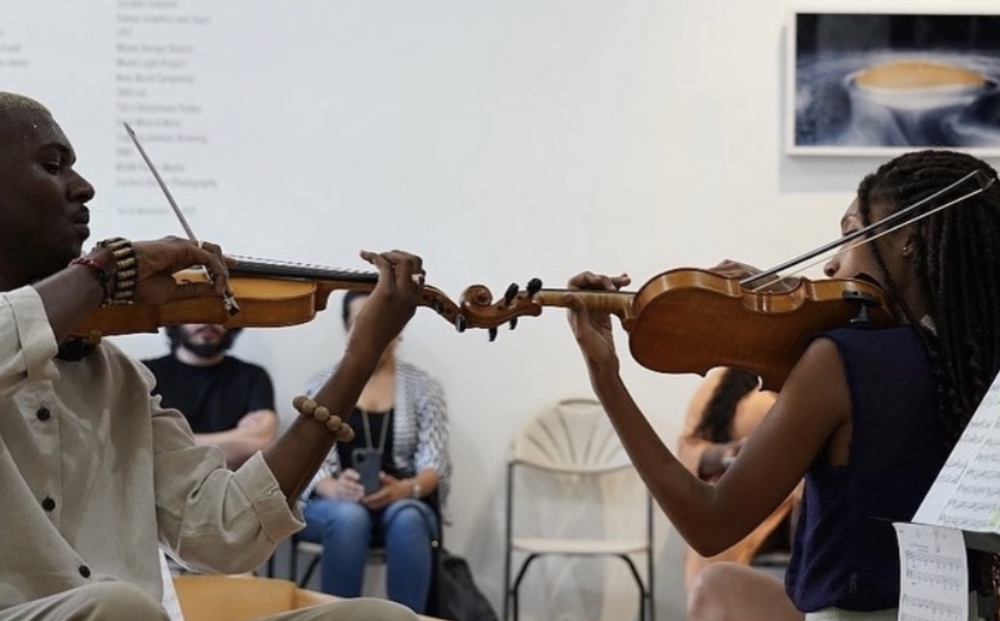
{"x": 126, "y": 269}
{"x": 103, "y": 276}
{"x": 307, "y": 407}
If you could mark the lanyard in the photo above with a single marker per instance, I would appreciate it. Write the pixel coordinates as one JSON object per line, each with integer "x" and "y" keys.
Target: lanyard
{"x": 368, "y": 429}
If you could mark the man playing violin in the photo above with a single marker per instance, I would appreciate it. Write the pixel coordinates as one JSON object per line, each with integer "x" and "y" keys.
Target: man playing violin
{"x": 95, "y": 473}
{"x": 868, "y": 417}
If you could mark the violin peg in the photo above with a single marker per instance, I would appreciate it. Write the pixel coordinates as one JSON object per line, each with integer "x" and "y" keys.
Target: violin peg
{"x": 437, "y": 306}
{"x": 460, "y": 323}
{"x": 493, "y": 334}
{"x": 511, "y": 293}
{"x": 534, "y": 286}
{"x": 513, "y": 323}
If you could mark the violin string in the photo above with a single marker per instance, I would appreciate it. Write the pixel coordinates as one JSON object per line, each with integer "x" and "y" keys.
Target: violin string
{"x": 250, "y": 264}
{"x": 776, "y": 277}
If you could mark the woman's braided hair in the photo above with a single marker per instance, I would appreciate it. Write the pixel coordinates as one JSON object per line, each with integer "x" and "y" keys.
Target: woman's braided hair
{"x": 956, "y": 258}
{"x": 716, "y": 422}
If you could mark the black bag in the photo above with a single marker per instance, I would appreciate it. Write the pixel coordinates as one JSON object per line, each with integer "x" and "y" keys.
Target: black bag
{"x": 454, "y": 594}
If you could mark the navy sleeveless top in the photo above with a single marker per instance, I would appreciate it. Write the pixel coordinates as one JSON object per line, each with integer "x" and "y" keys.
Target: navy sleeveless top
{"x": 845, "y": 552}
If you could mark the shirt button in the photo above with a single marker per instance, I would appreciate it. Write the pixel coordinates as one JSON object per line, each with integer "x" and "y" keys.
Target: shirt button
{"x": 48, "y": 504}
{"x": 84, "y": 571}
{"x": 43, "y": 414}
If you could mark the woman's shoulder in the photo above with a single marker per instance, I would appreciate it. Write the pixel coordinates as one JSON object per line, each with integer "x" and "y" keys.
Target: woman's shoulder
{"x": 412, "y": 372}
{"x": 419, "y": 384}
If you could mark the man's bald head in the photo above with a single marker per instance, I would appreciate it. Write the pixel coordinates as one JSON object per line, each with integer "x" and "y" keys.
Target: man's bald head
{"x": 22, "y": 116}
{"x": 24, "y": 121}
{"x": 11, "y": 103}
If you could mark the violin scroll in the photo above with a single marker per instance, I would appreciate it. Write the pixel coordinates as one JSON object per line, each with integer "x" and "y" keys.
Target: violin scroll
{"x": 480, "y": 311}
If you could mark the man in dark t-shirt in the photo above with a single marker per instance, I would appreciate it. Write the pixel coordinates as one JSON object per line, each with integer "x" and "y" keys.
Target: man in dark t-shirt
{"x": 229, "y": 403}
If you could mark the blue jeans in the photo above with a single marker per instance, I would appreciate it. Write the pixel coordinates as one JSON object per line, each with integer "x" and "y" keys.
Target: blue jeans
{"x": 347, "y": 529}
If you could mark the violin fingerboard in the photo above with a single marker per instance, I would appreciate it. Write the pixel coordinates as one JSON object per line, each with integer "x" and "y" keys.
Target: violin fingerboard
{"x": 249, "y": 266}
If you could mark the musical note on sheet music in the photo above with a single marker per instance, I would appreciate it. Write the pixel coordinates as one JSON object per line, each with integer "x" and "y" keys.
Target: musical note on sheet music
{"x": 934, "y": 578}
{"x": 966, "y": 493}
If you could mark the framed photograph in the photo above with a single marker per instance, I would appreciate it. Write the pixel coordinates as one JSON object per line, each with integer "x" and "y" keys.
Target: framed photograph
{"x": 886, "y": 83}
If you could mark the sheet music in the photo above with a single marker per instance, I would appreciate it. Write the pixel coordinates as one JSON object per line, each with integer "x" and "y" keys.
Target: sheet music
{"x": 966, "y": 494}
{"x": 934, "y": 578}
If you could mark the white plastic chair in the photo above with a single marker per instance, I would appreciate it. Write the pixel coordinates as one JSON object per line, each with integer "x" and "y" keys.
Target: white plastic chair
{"x": 575, "y": 439}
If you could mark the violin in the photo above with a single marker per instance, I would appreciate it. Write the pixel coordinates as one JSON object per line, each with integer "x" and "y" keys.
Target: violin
{"x": 268, "y": 294}
{"x": 680, "y": 321}
{"x": 692, "y": 320}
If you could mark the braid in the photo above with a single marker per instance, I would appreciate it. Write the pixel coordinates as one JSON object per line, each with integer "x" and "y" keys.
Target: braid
{"x": 957, "y": 265}
{"x": 717, "y": 420}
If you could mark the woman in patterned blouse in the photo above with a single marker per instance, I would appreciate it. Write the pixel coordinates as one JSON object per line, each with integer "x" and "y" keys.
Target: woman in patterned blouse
{"x": 401, "y": 424}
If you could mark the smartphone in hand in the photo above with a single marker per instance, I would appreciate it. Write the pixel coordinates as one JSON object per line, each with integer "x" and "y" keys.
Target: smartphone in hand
{"x": 368, "y": 463}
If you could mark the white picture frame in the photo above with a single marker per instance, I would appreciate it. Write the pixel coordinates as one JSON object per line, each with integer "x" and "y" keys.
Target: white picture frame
{"x": 883, "y": 83}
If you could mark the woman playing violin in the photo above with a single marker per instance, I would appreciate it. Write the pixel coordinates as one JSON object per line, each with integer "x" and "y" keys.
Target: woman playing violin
{"x": 868, "y": 417}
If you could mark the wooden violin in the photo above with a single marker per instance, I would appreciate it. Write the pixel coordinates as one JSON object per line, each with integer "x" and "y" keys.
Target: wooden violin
{"x": 268, "y": 294}
{"x": 691, "y": 320}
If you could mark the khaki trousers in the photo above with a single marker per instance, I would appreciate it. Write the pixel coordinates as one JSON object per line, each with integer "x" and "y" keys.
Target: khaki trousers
{"x": 120, "y": 601}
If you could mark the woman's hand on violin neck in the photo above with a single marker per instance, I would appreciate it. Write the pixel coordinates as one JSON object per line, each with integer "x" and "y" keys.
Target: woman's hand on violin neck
{"x": 593, "y": 330}
{"x": 394, "y": 299}
{"x": 158, "y": 260}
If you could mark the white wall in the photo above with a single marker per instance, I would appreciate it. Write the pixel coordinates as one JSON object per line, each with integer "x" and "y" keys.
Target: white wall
{"x": 504, "y": 141}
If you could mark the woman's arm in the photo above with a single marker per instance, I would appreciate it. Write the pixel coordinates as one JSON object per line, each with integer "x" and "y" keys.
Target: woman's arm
{"x": 813, "y": 405}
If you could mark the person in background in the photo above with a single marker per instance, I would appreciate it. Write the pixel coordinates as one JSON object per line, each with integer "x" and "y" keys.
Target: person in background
{"x": 724, "y": 411}
{"x": 402, "y": 427}
{"x": 228, "y": 402}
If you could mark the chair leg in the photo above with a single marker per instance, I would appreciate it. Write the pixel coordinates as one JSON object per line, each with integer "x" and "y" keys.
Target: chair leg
{"x": 517, "y": 583}
{"x": 309, "y": 571}
{"x": 651, "y": 595}
{"x": 508, "y": 540}
{"x": 643, "y": 593}
{"x": 506, "y": 588}
{"x": 293, "y": 562}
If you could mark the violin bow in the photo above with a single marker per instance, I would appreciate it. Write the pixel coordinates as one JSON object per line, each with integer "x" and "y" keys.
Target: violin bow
{"x": 478, "y": 301}
{"x": 232, "y": 307}
{"x": 901, "y": 218}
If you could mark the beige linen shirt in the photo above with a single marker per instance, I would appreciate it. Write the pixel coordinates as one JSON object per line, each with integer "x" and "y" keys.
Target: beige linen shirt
{"x": 94, "y": 474}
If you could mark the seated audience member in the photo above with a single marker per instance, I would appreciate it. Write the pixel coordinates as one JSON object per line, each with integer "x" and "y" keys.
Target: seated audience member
{"x": 95, "y": 474}
{"x": 229, "y": 403}
{"x": 401, "y": 424}
{"x": 724, "y": 411}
